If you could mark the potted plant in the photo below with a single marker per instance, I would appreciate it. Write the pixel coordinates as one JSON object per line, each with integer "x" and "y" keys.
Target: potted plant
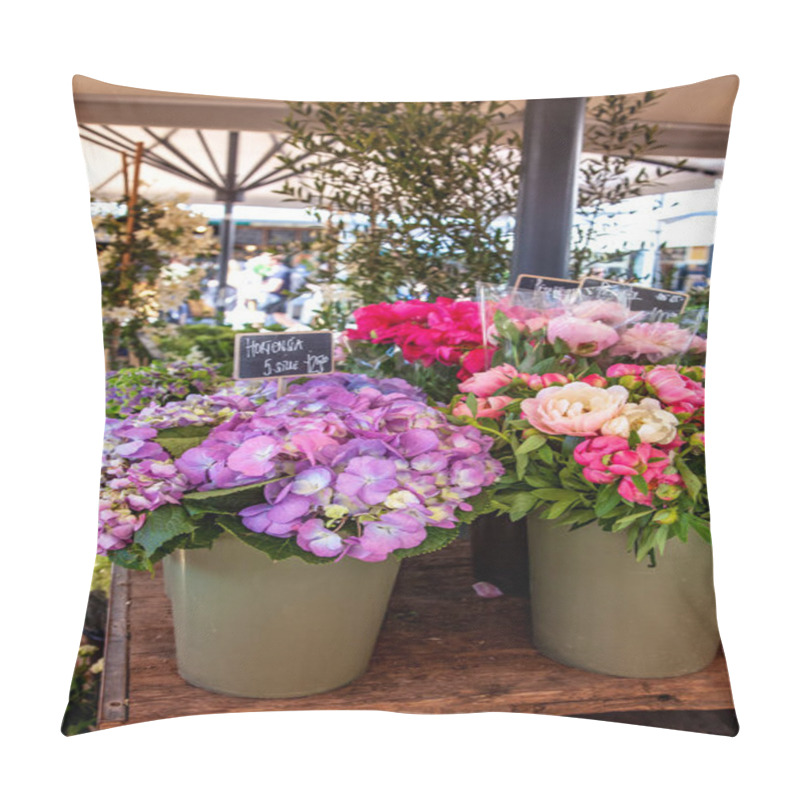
{"x": 285, "y": 520}
{"x": 609, "y": 471}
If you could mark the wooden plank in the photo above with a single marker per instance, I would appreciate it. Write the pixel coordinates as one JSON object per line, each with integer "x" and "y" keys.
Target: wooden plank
{"x": 442, "y": 650}
{"x": 113, "y": 697}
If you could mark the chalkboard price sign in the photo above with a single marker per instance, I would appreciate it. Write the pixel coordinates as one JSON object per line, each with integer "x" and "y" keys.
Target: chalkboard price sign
{"x": 533, "y": 282}
{"x": 645, "y": 298}
{"x": 282, "y": 355}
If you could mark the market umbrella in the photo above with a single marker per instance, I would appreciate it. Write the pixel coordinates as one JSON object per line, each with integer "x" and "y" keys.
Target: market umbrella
{"x": 228, "y": 150}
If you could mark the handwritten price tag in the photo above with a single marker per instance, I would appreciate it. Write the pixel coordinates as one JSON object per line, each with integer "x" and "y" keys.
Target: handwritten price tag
{"x": 645, "y": 298}
{"x": 282, "y": 355}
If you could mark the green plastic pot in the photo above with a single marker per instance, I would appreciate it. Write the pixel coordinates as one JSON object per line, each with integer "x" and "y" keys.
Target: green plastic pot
{"x": 252, "y": 627}
{"x": 594, "y": 607}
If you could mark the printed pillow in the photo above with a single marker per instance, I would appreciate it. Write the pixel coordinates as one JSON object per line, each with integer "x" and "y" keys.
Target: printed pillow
{"x": 405, "y": 406}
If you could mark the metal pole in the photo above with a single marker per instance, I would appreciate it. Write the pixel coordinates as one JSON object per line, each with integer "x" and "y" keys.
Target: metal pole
{"x": 551, "y": 147}
{"x": 227, "y": 227}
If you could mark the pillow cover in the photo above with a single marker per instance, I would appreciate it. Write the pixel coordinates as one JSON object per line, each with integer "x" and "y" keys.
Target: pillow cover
{"x": 497, "y": 451}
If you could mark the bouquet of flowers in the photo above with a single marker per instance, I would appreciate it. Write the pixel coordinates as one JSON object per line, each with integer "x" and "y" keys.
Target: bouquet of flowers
{"x": 623, "y": 447}
{"x": 578, "y": 329}
{"x": 131, "y": 389}
{"x": 406, "y": 338}
{"x": 341, "y": 465}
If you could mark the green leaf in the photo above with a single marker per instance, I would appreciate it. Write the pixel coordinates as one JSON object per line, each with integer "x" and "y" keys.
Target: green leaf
{"x": 226, "y": 501}
{"x": 176, "y": 441}
{"x": 435, "y": 539}
{"x": 539, "y": 482}
{"x": 203, "y": 536}
{"x": 662, "y": 534}
{"x": 569, "y": 445}
{"x": 623, "y": 522}
{"x": 556, "y": 494}
{"x": 682, "y": 527}
{"x": 165, "y": 523}
{"x": 557, "y": 509}
{"x": 130, "y": 558}
{"x": 640, "y": 483}
{"x": 545, "y": 454}
{"x": 532, "y": 442}
{"x": 646, "y": 544}
{"x": 578, "y": 517}
{"x": 545, "y": 365}
{"x": 701, "y": 526}
{"x": 521, "y": 503}
{"x": 693, "y": 483}
{"x": 608, "y": 498}
{"x": 276, "y": 548}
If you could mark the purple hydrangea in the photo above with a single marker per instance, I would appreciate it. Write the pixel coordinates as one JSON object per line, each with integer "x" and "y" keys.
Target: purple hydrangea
{"x": 138, "y": 475}
{"x": 351, "y": 466}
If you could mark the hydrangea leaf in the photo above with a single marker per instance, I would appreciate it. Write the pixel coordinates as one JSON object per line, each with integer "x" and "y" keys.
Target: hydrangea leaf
{"x": 226, "y": 501}
{"x": 129, "y": 558}
{"x": 435, "y": 539}
{"x": 176, "y": 441}
{"x": 203, "y": 536}
{"x": 275, "y": 547}
{"x": 165, "y": 523}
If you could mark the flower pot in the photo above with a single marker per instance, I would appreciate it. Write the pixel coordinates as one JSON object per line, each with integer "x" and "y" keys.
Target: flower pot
{"x": 500, "y": 553}
{"x": 167, "y": 571}
{"x": 594, "y": 607}
{"x": 252, "y": 627}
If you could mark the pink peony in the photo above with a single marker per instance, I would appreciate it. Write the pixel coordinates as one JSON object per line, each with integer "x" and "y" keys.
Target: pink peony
{"x": 492, "y": 407}
{"x": 583, "y": 336}
{"x": 595, "y": 455}
{"x": 618, "y": 370}
{"x": 606, "y": 458}
{"x": 552, "y": 379}
{"x": 672, "y": 387}
{"x": 608, "y": 311}
{"x": 576, "y": 409}
{"x": 477, "y": 360}
{"x": 654, "y": 340}
{"x": 654, "y": 478}
{"x": 595, "y": 380}
{"x": 484, "y": 384}
{"x": 529, "y": 322}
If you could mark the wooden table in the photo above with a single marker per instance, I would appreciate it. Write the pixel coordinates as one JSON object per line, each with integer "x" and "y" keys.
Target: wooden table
{"x": 442, "y": 650}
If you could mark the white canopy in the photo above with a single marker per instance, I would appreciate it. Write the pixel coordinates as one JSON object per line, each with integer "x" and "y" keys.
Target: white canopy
{"x": 186, "y": 139}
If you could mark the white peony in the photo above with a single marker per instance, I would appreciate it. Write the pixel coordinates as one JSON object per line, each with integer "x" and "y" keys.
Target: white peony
{"x": 651, "y": 422}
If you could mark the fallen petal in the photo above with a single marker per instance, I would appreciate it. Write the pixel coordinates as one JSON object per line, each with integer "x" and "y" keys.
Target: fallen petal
{"x": 485, "y": 589}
